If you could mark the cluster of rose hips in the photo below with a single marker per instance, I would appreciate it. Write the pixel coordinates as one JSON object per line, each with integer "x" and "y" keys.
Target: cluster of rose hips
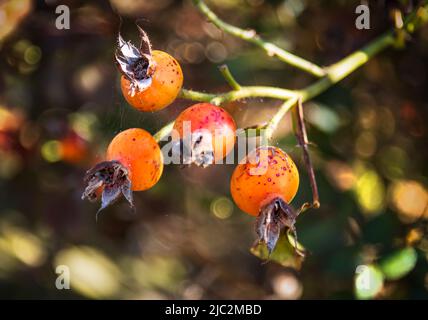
{"x": 262, "y": 185}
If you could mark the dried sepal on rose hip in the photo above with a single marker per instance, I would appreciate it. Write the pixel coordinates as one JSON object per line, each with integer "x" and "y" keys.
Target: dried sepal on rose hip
{"x": 133, "y": 163}
{"x": 151, "y": 79}
{"x": 136, "y": 64}
{"x": 112, "y": 178}
{"x": 206, "y": 134}
{"x": 263, "y": 185}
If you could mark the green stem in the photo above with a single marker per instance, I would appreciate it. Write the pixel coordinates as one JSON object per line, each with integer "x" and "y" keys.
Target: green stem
{"x": 227, "y": 75}
{"x": 165, "y": 131}
{"x": 242, "y": 93}
{"x": 276, "y": 119}
{"x": 196, "y": 95}
{"x": 252, "y": 37}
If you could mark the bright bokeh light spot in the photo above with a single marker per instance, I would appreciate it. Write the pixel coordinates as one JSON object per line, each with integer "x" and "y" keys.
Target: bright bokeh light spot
{"x": 222, "y": 208}
{"x": 29, "y": 56}
{"x": 287, "y": 286}
{"x": 89, "y": 78}
{"x": 370, "y": 192}
{"x": 11, "y": 14}
{"x": 27, "y": 248}
{"x": 51, "y": 151}
{"x": 399, "y": 263}
{"x": 92, "y": 274}
{"x": 410, "y": 199}
{"x": 341, "y": 175}
{"x": 32, "y": 55}
{"x": 368, "y": 282}
{"x": 10, "y": 119}
{"x": 22, "y": 245}
{"x": 414, "y": 236}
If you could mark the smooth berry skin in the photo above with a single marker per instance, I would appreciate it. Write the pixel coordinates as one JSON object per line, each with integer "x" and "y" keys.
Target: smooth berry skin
{"x": 217, "y": 121}
{"x": 139, "y": 152}
{"x": 167, "y": 81}
{"x": 256, "y": 183}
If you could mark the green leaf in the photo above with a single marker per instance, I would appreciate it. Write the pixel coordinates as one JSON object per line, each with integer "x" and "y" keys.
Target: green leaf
{"x": 284, "y": 252}
{"x": 368, "y": 282}
{"x": 399, "y": 263}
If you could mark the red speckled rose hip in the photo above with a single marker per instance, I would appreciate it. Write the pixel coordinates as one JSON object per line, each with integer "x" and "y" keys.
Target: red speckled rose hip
{"x": 212, "y": 130}
{"x": 253, "y": 185}
{"x": 263, "y": 186}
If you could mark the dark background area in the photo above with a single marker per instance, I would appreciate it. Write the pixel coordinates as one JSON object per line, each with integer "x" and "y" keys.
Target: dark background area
{"x": 60, "y": 105}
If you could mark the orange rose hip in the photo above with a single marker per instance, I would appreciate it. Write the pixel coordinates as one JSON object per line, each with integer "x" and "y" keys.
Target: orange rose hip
{"x": 166, "y": 82}
{"x": 139, "y": 152}
{"x": 151, "y": 80}
{"x": 274, "y": 176}
{"x": 263, "y": 186}
{"x": 134, "y": 163}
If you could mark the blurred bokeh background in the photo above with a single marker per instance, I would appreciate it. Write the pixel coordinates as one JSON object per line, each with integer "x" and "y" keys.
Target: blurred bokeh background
{"x": 60, "y": 104}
